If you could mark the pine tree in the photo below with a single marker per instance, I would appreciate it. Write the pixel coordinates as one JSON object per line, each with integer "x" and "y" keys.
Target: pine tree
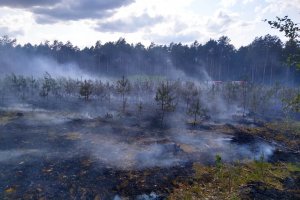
{"x": 123, "y": 88}
{"x": 86, "y": 89}
{"x": 165, "y": 99}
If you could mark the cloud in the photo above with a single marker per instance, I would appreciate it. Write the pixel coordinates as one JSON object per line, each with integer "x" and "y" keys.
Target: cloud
{"x": 182, "y": 37}
{"x": 220, "y": 22}
{"x": 7, "y": 31}
{"x": 247, "y": 1}
{"x": 52, "y": 11}
{"x": 27, "y": 3}
{"x": 130, "y": 24}
{"x": 228, "y": 3}
{"x": 140, "y": 20}
{"x": 280, "y": 6}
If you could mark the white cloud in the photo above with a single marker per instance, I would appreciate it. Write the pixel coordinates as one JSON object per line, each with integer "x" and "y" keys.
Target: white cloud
{"x": 247, "y": 1}
{"x": 281, "y": 6}
{"x": 220, "y": 22}
{"x": 228, "y": 3}
{"x": 14, "y": 22}
{"x": 179, "y": 37}
{"x": 129, "y": 24}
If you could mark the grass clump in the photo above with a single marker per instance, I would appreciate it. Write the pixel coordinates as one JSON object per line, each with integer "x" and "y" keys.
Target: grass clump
{"x": 223, "y": 181}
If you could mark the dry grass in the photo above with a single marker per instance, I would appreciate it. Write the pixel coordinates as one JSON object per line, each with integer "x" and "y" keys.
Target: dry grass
{"x": 7, "y": 117}
{"x": 225, "y": 182}
{"x": 286, "y": 134}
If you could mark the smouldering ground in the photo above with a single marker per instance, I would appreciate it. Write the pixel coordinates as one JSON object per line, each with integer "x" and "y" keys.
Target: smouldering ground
{"x": 59, "y": 155}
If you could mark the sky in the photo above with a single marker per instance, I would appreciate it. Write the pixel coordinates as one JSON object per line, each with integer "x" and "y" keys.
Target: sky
{"x": 83, "y": 22}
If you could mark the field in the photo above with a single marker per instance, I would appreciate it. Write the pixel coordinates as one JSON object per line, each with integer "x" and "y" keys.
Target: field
{"x": 127, "y": 141}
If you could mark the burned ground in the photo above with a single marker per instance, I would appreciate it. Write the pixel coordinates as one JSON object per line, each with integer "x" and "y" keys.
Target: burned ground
{"x": 55, "y": 155}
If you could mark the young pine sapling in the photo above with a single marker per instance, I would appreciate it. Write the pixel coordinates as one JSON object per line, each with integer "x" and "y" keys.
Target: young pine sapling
{"x": 165, "y": 99}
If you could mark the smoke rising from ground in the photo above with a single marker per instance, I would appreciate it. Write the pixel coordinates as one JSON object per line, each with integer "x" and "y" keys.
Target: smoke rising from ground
{"x": 37, "y": 66}
{"x": 122, "y": 146}
{"x": 126, "y": 127}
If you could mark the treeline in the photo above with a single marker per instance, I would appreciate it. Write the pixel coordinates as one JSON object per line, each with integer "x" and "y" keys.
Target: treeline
{"x": 263, "y": 61}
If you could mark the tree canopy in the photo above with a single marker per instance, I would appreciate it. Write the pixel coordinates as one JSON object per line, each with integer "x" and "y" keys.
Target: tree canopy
{"x": 261, "y": 61}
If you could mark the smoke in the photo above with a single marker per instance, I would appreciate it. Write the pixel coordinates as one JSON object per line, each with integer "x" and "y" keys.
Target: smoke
{"x": 117, "y": 150}
{"x": 119, "y": 144}
{"x": 119, "y": 153}
{"x": 37, "y": 66}
{"x": 207, "y": 144}
{"x": 127, "y": 140}
{"x": 11, "y": 155}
